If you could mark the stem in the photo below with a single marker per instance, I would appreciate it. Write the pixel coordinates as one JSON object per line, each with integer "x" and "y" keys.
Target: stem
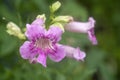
{"x": 49, "y": 22}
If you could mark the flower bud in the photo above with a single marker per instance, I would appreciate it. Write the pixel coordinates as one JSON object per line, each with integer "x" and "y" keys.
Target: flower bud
{"x": 41, "y": 17}
{"x": 55, "y": 6}
{"x": 64, "y": 19}
{"x": 59, "y": 25}
{"x": 13, "y": 29}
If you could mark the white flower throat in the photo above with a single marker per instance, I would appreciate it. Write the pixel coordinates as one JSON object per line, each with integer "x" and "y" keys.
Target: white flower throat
{"x": 43, "y": 44}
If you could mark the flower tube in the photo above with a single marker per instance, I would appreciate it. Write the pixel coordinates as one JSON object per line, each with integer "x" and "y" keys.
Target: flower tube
{"x": 83, "y": 27}
{"x": 75, "y": 53}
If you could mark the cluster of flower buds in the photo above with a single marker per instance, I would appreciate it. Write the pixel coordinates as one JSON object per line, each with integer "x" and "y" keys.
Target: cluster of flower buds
{"x": 43, "y": 40}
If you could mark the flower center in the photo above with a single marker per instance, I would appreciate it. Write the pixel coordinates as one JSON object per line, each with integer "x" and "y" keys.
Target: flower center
{"x": 44, "y": 43}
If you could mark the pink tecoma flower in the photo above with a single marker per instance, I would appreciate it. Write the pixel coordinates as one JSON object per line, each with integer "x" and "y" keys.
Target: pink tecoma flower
{"x": 75, "y": 53}
{"x": 42, "y": 43}
{"x": 83, "y": 27}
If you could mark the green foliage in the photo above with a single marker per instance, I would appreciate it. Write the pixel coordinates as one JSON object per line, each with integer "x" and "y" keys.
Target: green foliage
{"x": 102, "y": 61}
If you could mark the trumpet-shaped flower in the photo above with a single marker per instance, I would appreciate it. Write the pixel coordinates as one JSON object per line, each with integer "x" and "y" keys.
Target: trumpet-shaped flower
{"x": 75, "y": 53}
{"x": 42, "y": 43}
{"x": 83, "y": 27}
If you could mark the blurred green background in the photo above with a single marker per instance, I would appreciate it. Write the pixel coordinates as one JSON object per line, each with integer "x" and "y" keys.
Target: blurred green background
{"x": 102, "y": 61}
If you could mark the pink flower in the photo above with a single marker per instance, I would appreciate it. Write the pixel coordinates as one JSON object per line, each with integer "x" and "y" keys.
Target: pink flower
{"x": 42, "y": 43}
{"x": 83, "y": 27}
{"x": 75, "y": 53}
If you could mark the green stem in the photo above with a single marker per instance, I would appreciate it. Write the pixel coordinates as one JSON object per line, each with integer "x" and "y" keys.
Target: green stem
{"x": 49, "y": 22}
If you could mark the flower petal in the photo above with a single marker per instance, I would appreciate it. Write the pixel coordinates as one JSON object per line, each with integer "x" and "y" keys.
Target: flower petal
{"x": 79, "y": 55}
{"x": 80, "y": 27}
{"x": 75, "y": 53}
{"x": 54, "y": 33}
{"x": 58, "y": 55}
{"x": 34, "y": 31}
{"x": 27, "y": 51}
{"x": 38, "y": 22}
{"x": 42, "y": 59}
{"x": 92, "y": 36}
{"x": 33, "y": 61}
